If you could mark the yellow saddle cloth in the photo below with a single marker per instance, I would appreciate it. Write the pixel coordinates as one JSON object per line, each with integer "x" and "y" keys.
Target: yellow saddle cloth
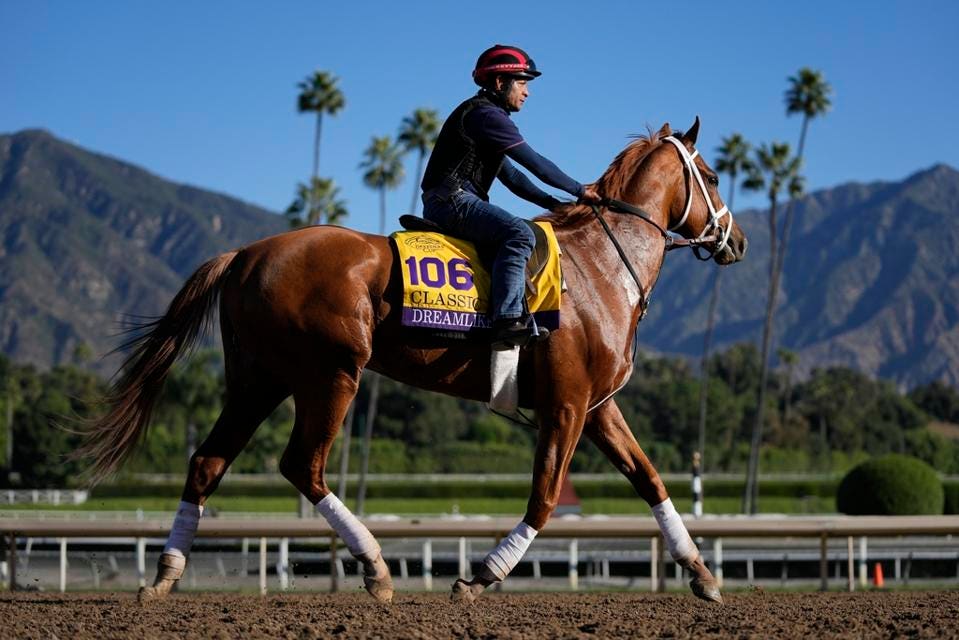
{"x": 445, "y": 286}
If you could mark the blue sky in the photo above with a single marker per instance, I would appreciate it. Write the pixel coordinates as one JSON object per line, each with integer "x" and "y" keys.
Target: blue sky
{"x": 204, "y": 93}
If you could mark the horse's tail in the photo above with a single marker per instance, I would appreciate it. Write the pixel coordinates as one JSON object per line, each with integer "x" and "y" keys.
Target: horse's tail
{"x": 156, "y": 345}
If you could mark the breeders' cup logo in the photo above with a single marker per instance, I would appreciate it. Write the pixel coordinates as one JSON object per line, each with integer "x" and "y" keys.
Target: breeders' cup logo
{"x": 423, "y": 243}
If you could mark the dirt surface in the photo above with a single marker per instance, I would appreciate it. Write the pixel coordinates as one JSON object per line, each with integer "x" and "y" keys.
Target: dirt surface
{"x": 527, "y": 616}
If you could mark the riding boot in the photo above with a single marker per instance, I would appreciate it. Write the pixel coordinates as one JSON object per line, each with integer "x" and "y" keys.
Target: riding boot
{"x": 376, "y": 576}
{"x": 511, "y": 332}
{"x": 169, "y": 570}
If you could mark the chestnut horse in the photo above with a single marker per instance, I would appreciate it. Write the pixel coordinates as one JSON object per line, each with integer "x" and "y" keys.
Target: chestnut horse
{"x": 304, "y": 312}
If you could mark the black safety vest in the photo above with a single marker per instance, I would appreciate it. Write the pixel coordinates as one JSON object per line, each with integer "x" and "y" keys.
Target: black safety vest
{"x": 457, "y": 158}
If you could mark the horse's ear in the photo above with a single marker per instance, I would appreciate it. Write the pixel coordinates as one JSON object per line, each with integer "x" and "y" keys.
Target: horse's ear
{"x": 664, "y": 131}
{"x": 690, "y": 136}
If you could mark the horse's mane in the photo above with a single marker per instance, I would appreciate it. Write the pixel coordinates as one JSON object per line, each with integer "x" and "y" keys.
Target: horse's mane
{"x": 615, "y": 179}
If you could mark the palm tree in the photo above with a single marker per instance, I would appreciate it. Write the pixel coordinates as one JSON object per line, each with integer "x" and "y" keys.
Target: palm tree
{"x": 774, "y": 170}
{"x": 733, "y": 159}
{"x": 383, "y": 164}
{"x": 319, "y": 93}
{"x": 316, "y": 203}
{"x": 419, "y": 131}
{"x": 808, "y": 94}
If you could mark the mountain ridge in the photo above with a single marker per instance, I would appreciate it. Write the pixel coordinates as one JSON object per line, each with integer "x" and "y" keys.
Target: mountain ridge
{"x": 87, "y": 238}
{"x": 871, "y": 278}
{"x": 870, "y": 282}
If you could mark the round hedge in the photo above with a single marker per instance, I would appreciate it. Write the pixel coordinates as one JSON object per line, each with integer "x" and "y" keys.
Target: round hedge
{"x": 891, "y": 485}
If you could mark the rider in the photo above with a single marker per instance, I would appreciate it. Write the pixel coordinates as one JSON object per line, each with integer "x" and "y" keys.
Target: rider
{"x": 475, "y": 146}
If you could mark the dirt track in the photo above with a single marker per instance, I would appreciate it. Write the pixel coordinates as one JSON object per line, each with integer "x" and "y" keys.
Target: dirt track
{"x": 526, "y": 616}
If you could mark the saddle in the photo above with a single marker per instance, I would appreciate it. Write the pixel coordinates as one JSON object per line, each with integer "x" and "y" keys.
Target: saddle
{"x": 535, "y": 265}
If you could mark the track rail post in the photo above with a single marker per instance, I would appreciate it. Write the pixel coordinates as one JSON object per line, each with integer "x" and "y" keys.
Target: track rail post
{"x": 142, "y": 561}
{"x": 654, "y": 564}
{"x": 463, "y": 565}
{"x": 63, "y": 565}
{"x": 12, "y": 562}
{"x": 574, "y": 564}
{"x": 718, "y": 561}
{"x": 283, "y": 564}
{"x": 823, "y": 562}
{"x": 428, "y": 564}
{"x": 850, "y": 564}
{"x": 262, "y": 566}
{"x": 334, "y": 570}
{"x": 863, "y": 568}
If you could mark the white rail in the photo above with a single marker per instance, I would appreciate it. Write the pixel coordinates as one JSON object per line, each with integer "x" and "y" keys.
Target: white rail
{"x": 718, "y": 528}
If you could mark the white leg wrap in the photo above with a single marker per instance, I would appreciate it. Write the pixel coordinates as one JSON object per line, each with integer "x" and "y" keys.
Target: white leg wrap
{"x": 354, "y": 533}
{"x": 184, "y": 528}
{"x": 681, "y": 546}
{"x": 510, "y": 550}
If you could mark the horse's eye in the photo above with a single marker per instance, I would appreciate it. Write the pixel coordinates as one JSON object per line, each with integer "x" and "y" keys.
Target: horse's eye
{"x": 713, "y": 180}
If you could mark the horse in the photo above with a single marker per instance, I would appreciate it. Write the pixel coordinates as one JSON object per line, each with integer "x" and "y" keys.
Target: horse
{"x": 304, "y": 313}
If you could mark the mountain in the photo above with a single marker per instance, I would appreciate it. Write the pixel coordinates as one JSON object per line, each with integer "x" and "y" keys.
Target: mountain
{"x": 871, "y": 278}
{"x": 871, "y": 282}
{"x": 86, "y": 239}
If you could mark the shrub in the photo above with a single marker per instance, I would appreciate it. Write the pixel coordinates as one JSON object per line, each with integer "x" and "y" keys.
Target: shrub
{"x": 891, "y": 485}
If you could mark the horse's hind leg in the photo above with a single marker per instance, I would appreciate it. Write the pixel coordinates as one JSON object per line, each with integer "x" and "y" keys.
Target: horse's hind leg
{"x": 246, "y": 407}
{"x": 607, "y": 428}
{"x": 320, "y": 409}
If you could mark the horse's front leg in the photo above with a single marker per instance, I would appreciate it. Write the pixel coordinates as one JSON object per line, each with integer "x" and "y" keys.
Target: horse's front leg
{"x": 606, "y": 427}
{"x": 559, "y": 432}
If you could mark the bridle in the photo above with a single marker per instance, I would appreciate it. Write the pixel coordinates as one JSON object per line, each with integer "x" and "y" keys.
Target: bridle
{"x": 671, "y": 241}
{"x": 714, "y": 216}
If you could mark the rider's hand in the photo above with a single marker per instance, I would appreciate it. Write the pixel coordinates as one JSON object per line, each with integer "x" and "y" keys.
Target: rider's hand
{"x": 590, "y": 195}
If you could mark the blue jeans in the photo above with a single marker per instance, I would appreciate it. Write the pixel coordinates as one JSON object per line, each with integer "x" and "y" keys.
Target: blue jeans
{"x": 500, "y": 238}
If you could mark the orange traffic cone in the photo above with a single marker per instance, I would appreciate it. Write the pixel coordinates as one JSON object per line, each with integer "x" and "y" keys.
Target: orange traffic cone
{"x": 877, "y": 576}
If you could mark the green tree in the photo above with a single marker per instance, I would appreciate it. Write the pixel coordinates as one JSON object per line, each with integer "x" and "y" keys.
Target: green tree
{"x": 317, "y": 203}
{"x": 733, "y": 160}
{"x": 320, "y": 95}
{"x": 418, "y": 132}
{"x": 774, "y": 170}
{"x": 938, "y": 400}
{"x": 789, "y": 359}
{"x": 383, "y": 169}
{"x": 52, "y": 401}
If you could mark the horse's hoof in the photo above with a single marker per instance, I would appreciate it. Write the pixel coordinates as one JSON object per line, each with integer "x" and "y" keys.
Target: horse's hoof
{"x": 463, "y": 592}
{"x": 376, "y": 578}
{"x": 706, "y": 590}
{"x": 380, "y": 588}
{"x": 147, "y": 594}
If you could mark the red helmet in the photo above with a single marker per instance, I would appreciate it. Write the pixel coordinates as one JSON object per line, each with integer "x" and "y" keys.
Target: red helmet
{"x": 504, "y": 59}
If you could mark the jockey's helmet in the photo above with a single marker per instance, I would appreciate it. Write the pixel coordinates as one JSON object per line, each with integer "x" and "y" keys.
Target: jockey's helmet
{"x": 504, "y": 59}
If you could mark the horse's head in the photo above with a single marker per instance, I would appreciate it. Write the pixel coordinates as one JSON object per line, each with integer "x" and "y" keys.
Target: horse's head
{"x": 696, "y": 209}
{"x": 688, "y": 191}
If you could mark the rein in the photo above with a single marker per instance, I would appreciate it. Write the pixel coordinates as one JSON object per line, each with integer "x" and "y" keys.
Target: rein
{"x": 670, "y": 241}
{"x": 719, "y": 234}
